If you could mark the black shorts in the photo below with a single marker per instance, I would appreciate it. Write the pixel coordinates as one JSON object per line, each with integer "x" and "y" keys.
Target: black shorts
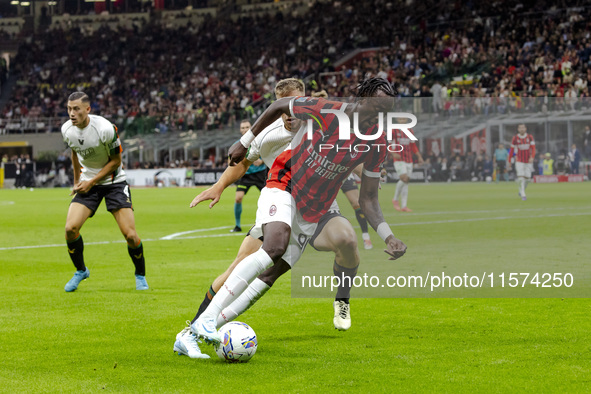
{"x": 322, "y": 222}
{"x": 116, "y": 195}
{"x": 501, "y": 165}
{"x": 257, "y": 179}
{"x": 349, "y": 185}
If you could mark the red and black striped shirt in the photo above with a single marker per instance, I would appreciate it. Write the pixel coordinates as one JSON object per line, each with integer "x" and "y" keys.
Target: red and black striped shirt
{"x": 408, "y": 146}
{"x": 314, "y": 170}
{"x": 524, "y": 148}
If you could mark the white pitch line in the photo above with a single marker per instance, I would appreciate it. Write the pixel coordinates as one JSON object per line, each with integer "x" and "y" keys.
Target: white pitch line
{"x": 172, "y": 236}
{"x": 6, "y": 202}
{"x": 240, "y": 234}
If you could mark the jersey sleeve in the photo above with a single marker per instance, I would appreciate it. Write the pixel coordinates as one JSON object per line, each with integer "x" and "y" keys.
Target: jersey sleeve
{"x": 254, "y": 151}
{"x": 110, "y": 138}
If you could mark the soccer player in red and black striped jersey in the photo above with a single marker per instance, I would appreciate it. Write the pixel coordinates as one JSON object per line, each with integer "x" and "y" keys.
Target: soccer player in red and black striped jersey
{"x": 403, "y": 162}
{"x": 524, "y": 148}
{"x": 313, "y": 176}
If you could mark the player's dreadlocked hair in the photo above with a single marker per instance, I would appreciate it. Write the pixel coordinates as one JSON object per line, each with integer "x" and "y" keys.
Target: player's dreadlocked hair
{"x": 370, "y": 86}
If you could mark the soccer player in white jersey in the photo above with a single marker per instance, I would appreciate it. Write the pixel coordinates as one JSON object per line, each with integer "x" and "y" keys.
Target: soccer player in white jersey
{"x": 98, "y": 175}
{"x": 334, "y": 233}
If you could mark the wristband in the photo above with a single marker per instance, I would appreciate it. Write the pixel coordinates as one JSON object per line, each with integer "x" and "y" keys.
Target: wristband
{"x": 247, "y": 138}
{"x": 384, "y": 231}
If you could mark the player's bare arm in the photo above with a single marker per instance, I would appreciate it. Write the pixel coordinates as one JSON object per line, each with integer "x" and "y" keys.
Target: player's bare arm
{"x": 419, "y": 158}
{"x": 84, "y": 186}
{"x": 368, "y": 201}
{"x": 230, "y": 175}
{"x": 238, "y": 151}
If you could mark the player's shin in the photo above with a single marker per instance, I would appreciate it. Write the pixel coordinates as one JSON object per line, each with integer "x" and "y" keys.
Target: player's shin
{"x": 76, "y": 252}
{"x": 248, "y": 298}
{"x": 346, "y": 276}
{"x": 137, "y": 257}
{"x": 237, "y": 282}
{"x": 362, "y": 220}
{"x": 205, "y": 303}
{"x": 399, "y": 187}
{"x": 404, "y": 196}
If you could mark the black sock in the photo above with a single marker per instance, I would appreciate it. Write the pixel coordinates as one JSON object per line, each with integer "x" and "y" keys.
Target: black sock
{"x": 137, "y": 256}
{"x": 206, "y": 301}
{"x": 346, "y": 276}
{"x": 361, "y": 219}
{"x": 76, "y": 252}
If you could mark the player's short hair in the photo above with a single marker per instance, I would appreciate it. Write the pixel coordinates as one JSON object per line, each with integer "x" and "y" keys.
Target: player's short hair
{"x": 79, "y": 96}
{"x": 288, "y": 85}
{"x": 244, "y": 121}
{"x": 370, "y": 86}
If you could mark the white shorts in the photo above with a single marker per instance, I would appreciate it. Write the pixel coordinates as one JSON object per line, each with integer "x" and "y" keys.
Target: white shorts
{"x": 277, "y": 205}
{"x": 524, "y": 169}
{"x": 402, "y": 167}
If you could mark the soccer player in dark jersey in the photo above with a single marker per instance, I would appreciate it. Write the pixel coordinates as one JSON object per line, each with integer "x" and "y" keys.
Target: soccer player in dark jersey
{"x": 403, "y": 163}
{"x": 524, "y": 148}
{"x": 254, "y": 176}
{"x": 318, "y": 176}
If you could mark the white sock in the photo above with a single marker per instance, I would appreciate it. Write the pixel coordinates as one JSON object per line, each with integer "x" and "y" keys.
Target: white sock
{"x": 404, "y": 196}
{"x": 522, "y": 189}
{"x": 518, "y": 180}
{"x": 255, "y": 290}
{"x": 244, "y": 273}
{"x": 399, "y": 186}
{"x": 365, "y": 236}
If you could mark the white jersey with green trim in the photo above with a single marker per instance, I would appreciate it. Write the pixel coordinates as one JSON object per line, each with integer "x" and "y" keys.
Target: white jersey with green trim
{"x": 93, "y": 146}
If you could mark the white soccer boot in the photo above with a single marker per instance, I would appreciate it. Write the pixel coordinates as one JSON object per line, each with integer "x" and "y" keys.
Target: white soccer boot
{"x": 186, "y": 344}
{"x": 342, "y": 316}
{"x": 206, "y": 328}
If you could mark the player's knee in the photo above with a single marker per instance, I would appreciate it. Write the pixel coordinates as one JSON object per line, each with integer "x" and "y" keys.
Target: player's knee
{"x": 275, "y": 251}
{"x": 72, "y": 231}
{"x": 345, "y": 242}
{"x": 404, "y": 178}
{"x": 131, "y": 237}
{"x": 238, "y": 200}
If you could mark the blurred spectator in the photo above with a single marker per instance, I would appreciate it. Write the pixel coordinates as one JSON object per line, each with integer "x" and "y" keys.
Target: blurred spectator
{"x": 574, "y": 158}
{"x": 548, "y": 165}
{"x": 587, "y": 142}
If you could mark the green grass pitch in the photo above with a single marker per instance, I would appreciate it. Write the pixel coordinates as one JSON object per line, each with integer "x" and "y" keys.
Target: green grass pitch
{"x": 108, "y": 337}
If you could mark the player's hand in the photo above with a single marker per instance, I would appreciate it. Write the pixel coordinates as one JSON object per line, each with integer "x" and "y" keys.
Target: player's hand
{"x": 396, "y": 156}
{"x": 236, "y": 154}
{"x": 213, "y": 194}
{"x": 395, "y": 247}
{"x": 420, "y": 161}
{"x": 82, "y": 187}
{"x": 531, "y": 160}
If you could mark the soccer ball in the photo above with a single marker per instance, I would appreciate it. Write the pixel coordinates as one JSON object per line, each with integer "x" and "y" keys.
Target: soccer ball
{"x": 239, "y": 342}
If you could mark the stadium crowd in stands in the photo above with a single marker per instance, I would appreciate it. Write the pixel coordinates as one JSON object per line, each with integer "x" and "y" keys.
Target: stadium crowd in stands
{"x": 209, "y": 76}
